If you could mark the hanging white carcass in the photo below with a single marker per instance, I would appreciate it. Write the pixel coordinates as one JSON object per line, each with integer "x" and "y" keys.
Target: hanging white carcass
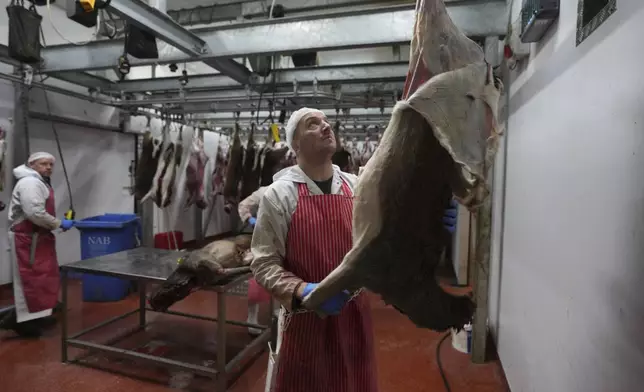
{"x": 168, "y": 188}
{"x": 195, "y": 171}
{"x": 440, "y": 141}
{"x": 162, "y": 190}
{"x": 163, "y": 156}
{"x": 151, "y": 149}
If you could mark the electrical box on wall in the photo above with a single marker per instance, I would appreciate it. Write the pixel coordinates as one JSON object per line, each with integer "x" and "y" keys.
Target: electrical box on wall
{"x": 536, "y": 18}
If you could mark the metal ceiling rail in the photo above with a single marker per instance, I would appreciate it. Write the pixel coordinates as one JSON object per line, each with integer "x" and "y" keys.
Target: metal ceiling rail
{"x": 340, "y": 90}
{"x": 359, "y": 29}
{"x": 159, "y": 24}
{"x": 358, "y": 73}
{"x": 231, "y": 107}
{"x": 249, "y": 106}
{"x": 166, "y": 29}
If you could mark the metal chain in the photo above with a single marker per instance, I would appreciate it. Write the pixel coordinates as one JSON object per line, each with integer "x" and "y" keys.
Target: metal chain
{"x": 24, "y": 103}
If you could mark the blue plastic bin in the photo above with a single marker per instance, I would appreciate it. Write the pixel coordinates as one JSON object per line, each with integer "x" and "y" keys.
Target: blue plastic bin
{"x": 102, "y": 235}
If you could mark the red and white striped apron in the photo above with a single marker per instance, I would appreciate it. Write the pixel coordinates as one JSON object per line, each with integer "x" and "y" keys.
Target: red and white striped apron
{"x": 334, "y": 354}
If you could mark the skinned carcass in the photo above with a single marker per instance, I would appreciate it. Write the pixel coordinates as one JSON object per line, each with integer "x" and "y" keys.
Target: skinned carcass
{"x": 367, "y": 150}
{"x": 233, "y": 172}
{"x": 355, "y": 152}
{"x": 218, "y": 173}
{"x": 151, "y": 149}
{"x": 439, "y": 141}
{"x": 216, "y": 262}
{"x": 195, "y": 173}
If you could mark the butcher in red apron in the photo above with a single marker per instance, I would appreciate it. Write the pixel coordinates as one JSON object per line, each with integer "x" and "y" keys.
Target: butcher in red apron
{"x": 303, "y": 232}
{"x": 32, "y": 218}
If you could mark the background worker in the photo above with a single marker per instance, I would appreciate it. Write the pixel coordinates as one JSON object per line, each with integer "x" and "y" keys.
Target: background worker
{"x": 32, "y": 218}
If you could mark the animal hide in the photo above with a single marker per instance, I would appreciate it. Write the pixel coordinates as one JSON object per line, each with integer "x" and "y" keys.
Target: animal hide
{"x": 147, "y": 165}
{"x": 233, "y": 172}
{"x": 216, "y": 262}
{"x": 3, "y": 149}
{"x": 167, "y": 191}
{"x": 250, "y": 174}
{"x": 274, "y": 160}
{"x": 439, "y": 141}
{"x": 195, "y": 174}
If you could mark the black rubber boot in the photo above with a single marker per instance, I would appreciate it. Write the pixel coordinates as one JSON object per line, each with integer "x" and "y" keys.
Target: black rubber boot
{"x": 27, "y": 329}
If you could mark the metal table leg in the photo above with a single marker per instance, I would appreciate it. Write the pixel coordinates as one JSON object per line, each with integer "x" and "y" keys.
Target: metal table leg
{"x": 222, "y": 377}
{"x": 142, "y": 304}
{"x": 64, "y": 315}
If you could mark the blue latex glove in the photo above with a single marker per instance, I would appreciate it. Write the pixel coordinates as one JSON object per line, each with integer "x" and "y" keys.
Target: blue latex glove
{"x": 252, "y": 220}
{"x": 66, "y": 224}
{"x": 449, "y": 217}
{"x": 332, "y": 305}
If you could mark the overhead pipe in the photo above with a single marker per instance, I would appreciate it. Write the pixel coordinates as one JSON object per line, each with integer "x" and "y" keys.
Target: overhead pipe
{"x": 98, "y": 100}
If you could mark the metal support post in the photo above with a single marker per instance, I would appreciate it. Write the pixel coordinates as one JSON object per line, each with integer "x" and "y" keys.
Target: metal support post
{"x": 222, "y": 379}
{"x": 142, "y": 304}
{"x": 483, "y": 245}
{"x": 63, "y": 333}
{"x": 20, "y": 135}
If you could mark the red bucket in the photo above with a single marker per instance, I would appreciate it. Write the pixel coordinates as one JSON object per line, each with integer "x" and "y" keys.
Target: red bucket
{"x": 169, "y": 240}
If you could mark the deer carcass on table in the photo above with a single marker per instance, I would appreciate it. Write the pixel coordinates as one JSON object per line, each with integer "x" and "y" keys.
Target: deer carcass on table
{"x": 439, "y": 141}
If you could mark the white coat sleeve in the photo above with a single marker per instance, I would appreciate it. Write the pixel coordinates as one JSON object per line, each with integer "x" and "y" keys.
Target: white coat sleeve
{"x": 249, "y": 204}
{"x": 33, "y": 197}
{"x": 269, "y": 250}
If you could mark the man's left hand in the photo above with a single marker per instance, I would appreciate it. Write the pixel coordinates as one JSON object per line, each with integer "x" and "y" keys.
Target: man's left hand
{"x": 449, "y": 217}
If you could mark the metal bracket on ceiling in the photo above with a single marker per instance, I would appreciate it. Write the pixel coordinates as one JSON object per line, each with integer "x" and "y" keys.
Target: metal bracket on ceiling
{"x": 296, "y": 87}
{"x": 27, "y": 75}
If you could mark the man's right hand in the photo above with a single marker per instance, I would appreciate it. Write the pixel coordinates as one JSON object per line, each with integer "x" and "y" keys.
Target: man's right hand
{"x": 66, "y": 224}
{"x": 331, "y": 306}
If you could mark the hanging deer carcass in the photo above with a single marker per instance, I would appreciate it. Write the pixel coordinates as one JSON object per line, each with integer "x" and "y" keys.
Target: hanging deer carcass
{"x": 439, "y": 141}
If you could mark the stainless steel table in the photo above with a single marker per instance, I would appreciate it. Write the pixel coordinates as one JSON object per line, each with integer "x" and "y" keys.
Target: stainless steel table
{"x": 145, "y": 265}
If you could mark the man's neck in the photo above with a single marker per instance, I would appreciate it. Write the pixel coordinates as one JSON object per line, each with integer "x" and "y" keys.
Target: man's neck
{"x": 317, "y": 172}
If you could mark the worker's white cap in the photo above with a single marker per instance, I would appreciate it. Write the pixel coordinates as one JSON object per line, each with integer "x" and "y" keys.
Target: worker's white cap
{"x": 294, "y": 120}
{"x": 40, "y": 155}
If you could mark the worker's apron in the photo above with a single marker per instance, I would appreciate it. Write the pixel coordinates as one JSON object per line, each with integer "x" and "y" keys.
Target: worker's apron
{"x": 256, "y": 293}
{"x": 314, "y": 354}
{"x": 36, "y": 279}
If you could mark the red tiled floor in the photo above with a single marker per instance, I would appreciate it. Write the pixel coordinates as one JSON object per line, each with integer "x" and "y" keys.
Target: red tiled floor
{"x": 406, "y": 354}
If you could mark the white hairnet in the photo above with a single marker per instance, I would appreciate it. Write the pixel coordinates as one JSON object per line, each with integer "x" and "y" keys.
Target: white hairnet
{"x": 294, "y": 120}
{"x": 40, "y": 155}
